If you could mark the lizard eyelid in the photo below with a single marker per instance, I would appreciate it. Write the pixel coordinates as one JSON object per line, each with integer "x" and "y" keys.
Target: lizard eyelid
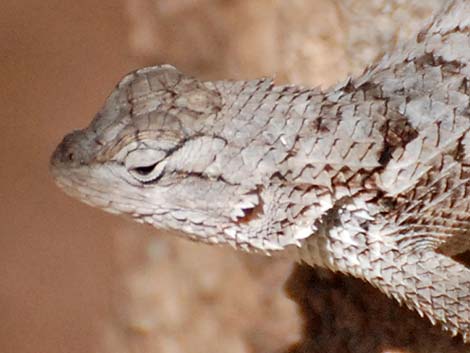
{"x": 146, "y": 165}
{"x": 145, "y": 170}
{"x": 148, "y": 174}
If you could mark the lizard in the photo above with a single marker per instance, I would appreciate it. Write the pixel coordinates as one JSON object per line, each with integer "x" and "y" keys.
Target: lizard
{"x": 369, "y": 177}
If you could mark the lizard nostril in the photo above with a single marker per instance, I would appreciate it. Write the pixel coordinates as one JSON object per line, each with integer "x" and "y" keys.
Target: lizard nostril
{"x": 70, "y": 151}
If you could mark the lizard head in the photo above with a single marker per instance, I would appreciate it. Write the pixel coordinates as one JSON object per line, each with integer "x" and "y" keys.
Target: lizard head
{"x": 177, "y": 153}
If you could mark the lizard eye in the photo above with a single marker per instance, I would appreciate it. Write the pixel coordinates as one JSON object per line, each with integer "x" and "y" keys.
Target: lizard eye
{"x": 145, "y": 170}
{"x": 147, "y": 174}
{"x": 145, "y": 165}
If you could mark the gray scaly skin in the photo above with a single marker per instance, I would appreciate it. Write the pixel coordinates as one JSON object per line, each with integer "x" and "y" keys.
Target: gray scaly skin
{"x": 370, "y": 178}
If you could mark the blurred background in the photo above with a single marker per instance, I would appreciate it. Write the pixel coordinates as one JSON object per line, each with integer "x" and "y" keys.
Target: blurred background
{"x": 74, "y": 279}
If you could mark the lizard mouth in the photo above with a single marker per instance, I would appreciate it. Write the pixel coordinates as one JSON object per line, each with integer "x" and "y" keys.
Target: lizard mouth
{"x": 72, "y": 185}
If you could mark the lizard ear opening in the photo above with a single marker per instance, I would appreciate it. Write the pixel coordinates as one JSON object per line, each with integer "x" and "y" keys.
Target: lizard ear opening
{"x": 251, "y": 213}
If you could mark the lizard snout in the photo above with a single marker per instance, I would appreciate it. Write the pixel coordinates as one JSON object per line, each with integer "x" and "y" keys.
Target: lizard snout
{"x": 71, "y": 152}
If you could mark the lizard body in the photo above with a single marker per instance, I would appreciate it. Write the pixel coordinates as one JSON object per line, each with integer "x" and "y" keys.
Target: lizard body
{"x": 370, "y": 177}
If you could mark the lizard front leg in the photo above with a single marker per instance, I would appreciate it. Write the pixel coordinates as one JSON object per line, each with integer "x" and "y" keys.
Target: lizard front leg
{"x": 433, "y": 284}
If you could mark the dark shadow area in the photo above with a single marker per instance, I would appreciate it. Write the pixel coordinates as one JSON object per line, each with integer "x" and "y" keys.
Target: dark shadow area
{"x": 463, "y": 258}
{"x": 344, "y": 314}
